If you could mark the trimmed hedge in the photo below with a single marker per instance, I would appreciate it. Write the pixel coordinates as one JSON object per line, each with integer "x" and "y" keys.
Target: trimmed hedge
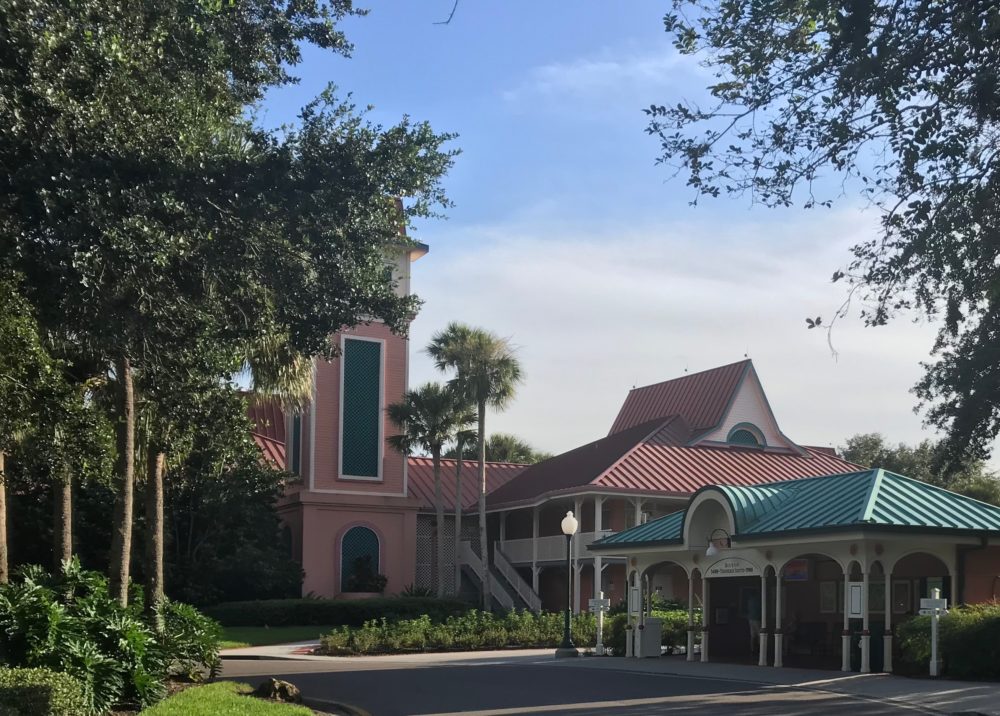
{"x": 471, "y": 631}
{"x": 339, "y": 612}
{"x": 968, "y": 641}
{"x": 40, "y": 692}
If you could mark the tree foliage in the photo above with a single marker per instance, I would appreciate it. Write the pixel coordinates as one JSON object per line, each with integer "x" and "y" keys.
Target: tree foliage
{"x": 502, "y": 447}
{"x": 922, "y": 462}
{"x": 900, "y": 99}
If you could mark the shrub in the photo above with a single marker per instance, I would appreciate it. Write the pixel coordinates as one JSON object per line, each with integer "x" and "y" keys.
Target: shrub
{"x": 190, "y": 641}
{"x": 413, "y": 591}
{"x": 40, "y": 692}
{"x": 363, "y": 577}
{"x": 968, "y": 642}
{"x": 469, "y": 631}
{"x": 303, "y": 612}
{"x": 675, "y": 623}
{"x": 70, "y": 623}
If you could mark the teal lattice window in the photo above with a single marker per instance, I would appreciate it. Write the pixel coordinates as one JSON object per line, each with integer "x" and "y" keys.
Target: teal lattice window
{"x": 359, "y": 562}
{"x": 362, "y": 366}
{"x": 745, "y": 435}
{"x": 296, "y": 443}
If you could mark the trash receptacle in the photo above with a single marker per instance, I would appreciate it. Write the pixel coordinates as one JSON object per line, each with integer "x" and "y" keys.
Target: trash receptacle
{"x": 652, "y": 638}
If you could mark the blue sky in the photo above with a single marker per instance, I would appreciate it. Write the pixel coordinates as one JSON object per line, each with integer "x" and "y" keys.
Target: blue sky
{"x": 567, "y": 237}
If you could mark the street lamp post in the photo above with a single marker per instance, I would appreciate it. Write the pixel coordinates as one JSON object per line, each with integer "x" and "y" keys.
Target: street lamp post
{"x": 567, "y": 648}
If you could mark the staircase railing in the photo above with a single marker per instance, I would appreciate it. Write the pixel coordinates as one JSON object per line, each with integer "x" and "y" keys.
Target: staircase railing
{"x": 523, "y": 589}
{"x": 469, "y": 557}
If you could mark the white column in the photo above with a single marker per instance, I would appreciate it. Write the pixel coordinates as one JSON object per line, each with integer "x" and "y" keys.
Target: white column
{"x": 866, "y": 638}
{"x": 762, "y": 636}
{"x": 887, "y": 636}
{"x": 578, "y": 513}
{"x": 638, "y": 510}
{"x": 503, "y": 528}
{"x": 845, "y": 635}
{"x": 705, "y": 611}
{"x": 534, "y": 548}
{"x": 690, "y": 631}
{"x": 598, "y": 562}
{"x": 779, "y": 638}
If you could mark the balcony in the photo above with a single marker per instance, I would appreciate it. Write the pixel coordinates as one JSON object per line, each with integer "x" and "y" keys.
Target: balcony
{"x": 550, "y": 549}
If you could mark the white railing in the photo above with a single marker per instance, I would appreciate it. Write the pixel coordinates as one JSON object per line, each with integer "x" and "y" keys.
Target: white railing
{"x": 523, "y": 589}
{"x": 467, "y": 555}
{"x": 550, "y": 549}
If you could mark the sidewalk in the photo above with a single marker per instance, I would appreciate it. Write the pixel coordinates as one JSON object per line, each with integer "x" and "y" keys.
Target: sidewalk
{"x": 942, "y": 695}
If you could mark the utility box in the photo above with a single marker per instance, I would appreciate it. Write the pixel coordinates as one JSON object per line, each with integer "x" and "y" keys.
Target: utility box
{"x": 652, "y": 638}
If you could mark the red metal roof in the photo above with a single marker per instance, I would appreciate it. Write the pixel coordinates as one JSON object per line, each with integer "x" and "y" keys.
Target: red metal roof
{"x": 272, "y": 451}
{"x": 700, "y": 399}
{"x": 421, "y": 480}
{"x": 654, "y": 456}
{"x": 267, "y": 418}
{"x": 576, "y": 468}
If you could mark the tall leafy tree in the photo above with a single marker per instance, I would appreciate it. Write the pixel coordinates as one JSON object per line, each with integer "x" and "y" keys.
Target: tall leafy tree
{"x": 428, "y": 418}
{"x": 900, "y": 99}
{"x": 151, "y": 218}
{"x": 502, "y": 447}
{"x": 487, "y": 374}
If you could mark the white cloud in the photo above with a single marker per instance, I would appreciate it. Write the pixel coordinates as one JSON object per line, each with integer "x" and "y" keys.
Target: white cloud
{"x": 608, "y": 77}
{"x": 595, "y": 311}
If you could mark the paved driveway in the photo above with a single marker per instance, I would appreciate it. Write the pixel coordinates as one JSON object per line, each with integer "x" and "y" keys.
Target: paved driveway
{"x": 536, "y": 683}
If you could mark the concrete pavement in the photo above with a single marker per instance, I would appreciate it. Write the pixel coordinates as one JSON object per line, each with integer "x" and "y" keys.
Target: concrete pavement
{"x": 531, "y": 681}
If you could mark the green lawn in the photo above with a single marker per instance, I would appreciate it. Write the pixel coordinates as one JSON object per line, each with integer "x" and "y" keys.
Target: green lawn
{"x": 236, "y": 637}
{"x": 223, "y": 698}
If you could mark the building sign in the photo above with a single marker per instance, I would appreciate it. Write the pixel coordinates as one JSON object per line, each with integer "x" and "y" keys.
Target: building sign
{"x": 733, "y": 567}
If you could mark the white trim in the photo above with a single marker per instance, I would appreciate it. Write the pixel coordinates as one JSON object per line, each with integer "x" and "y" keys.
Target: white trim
{"x": 312, "y": 426}
{"x": 381, "y": 410}
{"x": 681, "y": 498}
{"x": 360, "y": 492}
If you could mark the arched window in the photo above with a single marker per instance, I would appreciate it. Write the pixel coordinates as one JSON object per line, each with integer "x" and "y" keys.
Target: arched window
{"x": 359, "y": 560}
{"x": 746, "y": 435}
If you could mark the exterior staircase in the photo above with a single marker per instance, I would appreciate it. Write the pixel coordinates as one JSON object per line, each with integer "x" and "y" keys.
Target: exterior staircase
{"x": 504, "y": 580}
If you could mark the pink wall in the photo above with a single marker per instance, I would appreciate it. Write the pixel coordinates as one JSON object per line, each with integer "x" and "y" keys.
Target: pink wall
{"x": 982, "y": 575}
{"x": 324, "y": 523}
{"x": 326, "y": 414}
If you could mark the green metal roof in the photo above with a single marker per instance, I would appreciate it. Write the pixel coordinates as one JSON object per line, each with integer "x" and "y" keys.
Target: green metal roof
{"x": 869, "y": 499}
{"x": 661, "y": 530}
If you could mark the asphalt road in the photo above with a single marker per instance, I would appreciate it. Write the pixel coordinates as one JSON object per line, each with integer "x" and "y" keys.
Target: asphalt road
{"x": 541, "y": 686}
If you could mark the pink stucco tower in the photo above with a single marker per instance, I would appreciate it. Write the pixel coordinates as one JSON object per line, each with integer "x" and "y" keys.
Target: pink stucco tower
{"x": 351, "y": 499}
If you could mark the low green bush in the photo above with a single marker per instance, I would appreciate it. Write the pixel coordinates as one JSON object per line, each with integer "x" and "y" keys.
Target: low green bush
{"x": 968, "y": 643}
{"x": 70, "y": 623}
{"x": 40, "y": 692}
{"x": 340, "y": 612}
{"x": 470, "y": 631}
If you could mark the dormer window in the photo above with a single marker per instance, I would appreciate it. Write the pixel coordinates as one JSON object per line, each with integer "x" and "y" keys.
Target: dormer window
{"x": 746, "y": 435}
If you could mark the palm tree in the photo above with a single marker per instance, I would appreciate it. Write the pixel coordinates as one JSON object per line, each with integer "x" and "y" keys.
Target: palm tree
{"x": 462, "y": 438}
{"x": 487, "y": 374}
{"x": 429, "y": 417}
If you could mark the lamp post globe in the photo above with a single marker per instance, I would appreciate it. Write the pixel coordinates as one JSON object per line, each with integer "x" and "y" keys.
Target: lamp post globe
{"x": 567, "y": 648}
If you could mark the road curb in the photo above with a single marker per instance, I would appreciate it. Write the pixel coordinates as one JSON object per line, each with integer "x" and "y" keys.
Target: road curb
{"x": 341, "y": 707}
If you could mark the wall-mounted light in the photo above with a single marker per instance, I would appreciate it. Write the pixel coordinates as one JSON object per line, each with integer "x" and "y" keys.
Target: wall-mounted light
{"x": 716, "y": 543}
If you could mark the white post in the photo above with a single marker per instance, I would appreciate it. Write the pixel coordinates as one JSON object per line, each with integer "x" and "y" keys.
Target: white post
{"x": 866, "y": 637}
{"x": 577, "y": 510}
{"x": 598, "y": 562}
{"x": 705, "y": 610}
{"x": 638, "y": 511}
{"x": 503, "y": 528}
{"x": 534, "y": 548}
{"x": 845, "y": 636}
{"x": 887, "y": 636}
{"x": 935, "y": 594}
{"x": 762, "y": 632}
{"x": 689, "y": 655}
{"x": 599, "y": 647}
{"x": 779, "y": 638}
{"x": 630, "y": 601}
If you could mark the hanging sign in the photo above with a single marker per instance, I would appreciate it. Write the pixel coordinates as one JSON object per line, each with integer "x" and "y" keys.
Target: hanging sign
{"x": 733, "y": 567}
